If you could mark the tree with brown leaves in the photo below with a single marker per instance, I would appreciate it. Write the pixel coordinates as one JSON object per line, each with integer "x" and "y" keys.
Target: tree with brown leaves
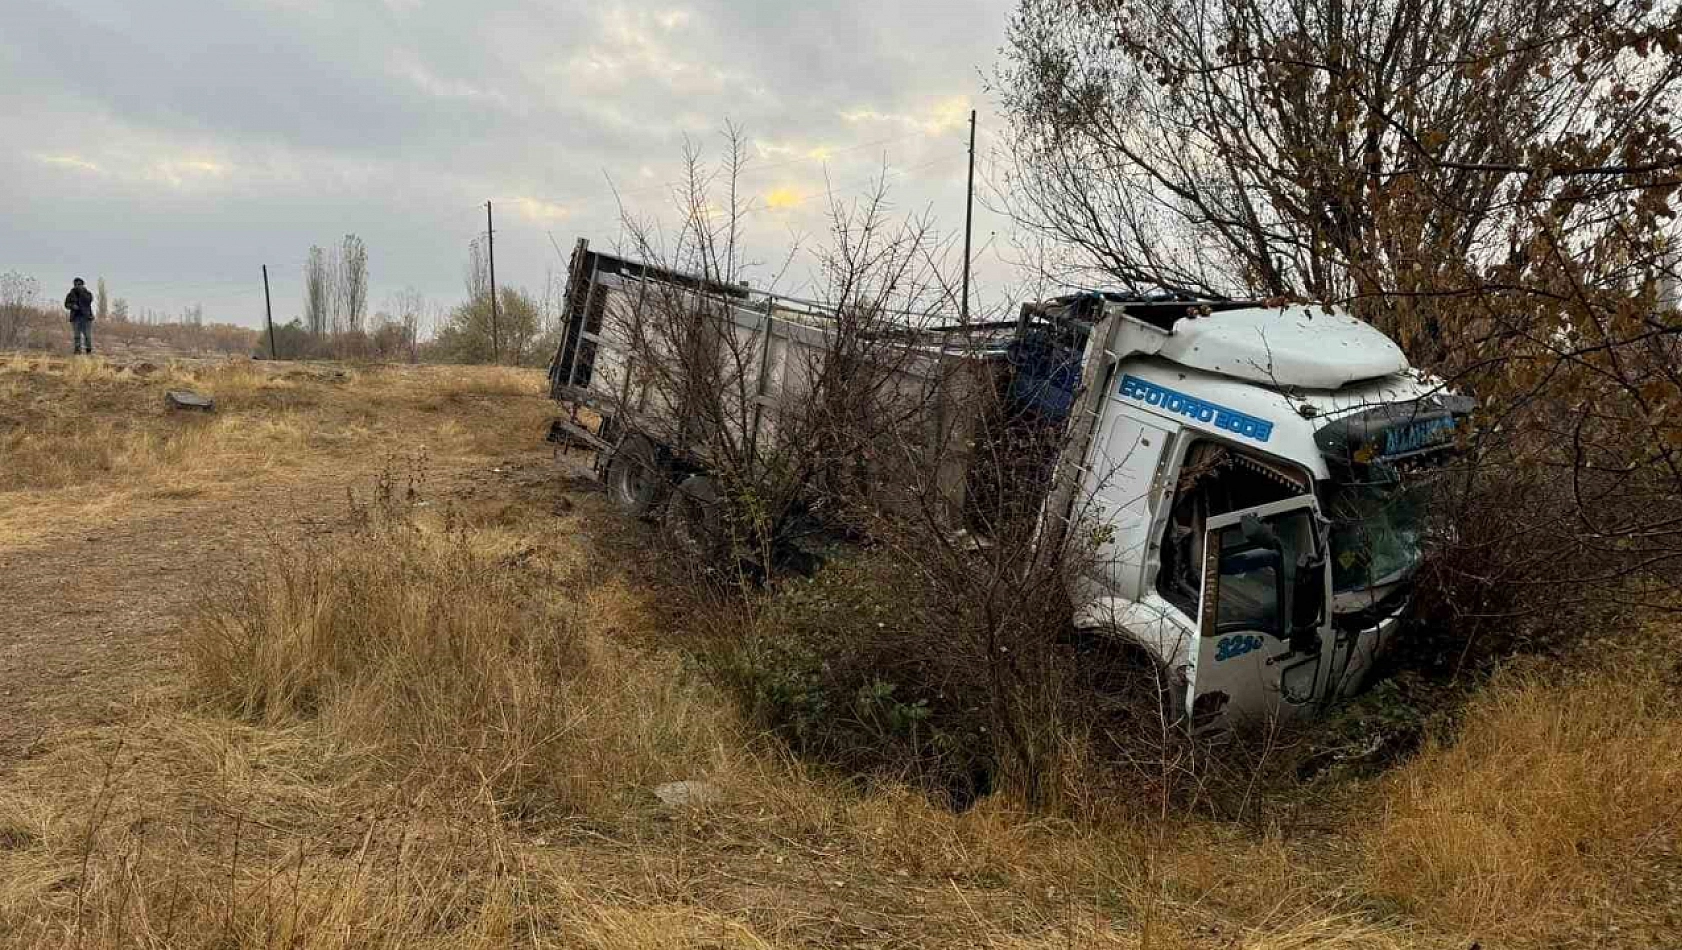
{"x": 1490, "y": 181}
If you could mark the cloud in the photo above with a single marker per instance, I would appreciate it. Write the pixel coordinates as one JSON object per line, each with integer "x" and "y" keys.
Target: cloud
{"x": 782, "y": 198}
{"x": 194, "y": 141}
{"x": 941, "y": 116}
{"x": 539, "y": 211}
{"x": 180, "y": 172}
{"x": 139, "y": 165}
{"x": 416, "y": 73}
{"x": 197, "y": 167}
{"x": 629, "y": 49}
{"x": 790, "y": 151}
{"x": 70, "y": 161}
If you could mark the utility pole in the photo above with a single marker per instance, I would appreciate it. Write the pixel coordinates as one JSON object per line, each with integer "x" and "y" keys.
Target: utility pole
{"x": 268, "y": 308}
{"x": 496, "y": 335}
{"x": 969, "y": 208}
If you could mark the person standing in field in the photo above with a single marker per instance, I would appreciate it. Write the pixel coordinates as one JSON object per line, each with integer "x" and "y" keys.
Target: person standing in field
{"x": 79, "y": 301}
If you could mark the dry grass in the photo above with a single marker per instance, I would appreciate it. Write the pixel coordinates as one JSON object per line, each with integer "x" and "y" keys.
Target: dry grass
{"x": 1545, "y": 813}
{"x": 457, "y": 658}
{"x": 426, "y": 734}
{"x": 81, "y": 436}
{"x": 79, "y": 421}
{"x": 487, "y": 381}
{"x": 441, "y": 725}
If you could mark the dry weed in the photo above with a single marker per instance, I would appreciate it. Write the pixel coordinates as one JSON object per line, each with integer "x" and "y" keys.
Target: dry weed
{"x": 1540, "y": 811}
{"x": 489, "y": 381}
{"x": 446, "y": 650}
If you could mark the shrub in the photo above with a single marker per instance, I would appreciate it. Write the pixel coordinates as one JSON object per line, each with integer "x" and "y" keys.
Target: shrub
{"x": 873, "y": 668}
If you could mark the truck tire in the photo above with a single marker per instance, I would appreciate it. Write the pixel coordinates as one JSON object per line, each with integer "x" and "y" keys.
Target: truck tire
{"x": 694, "y": 519}
{"x": 636, "y": 478}
{"x": 1126, "y": 681}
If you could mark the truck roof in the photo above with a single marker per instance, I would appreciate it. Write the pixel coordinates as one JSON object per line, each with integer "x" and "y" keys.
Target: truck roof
{"x": 1287, "y": 347}
{"x": 1296, "y": 346}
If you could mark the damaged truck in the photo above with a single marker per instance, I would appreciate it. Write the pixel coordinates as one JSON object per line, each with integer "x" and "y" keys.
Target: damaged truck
{"x": 1261, "y": 474}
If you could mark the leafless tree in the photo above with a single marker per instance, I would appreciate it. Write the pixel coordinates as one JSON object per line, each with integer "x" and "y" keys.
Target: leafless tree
{"x": 476, "y": 276}
{"x": 350, "y": 286}
{"x": 764, "y": 417}
{"x": 1328, "y": 149}
{"x": 413, "y": 312}
{"x": 697, "y": 364}
{"x": 554, "y": 290}
{"x": 317, "y": 291}
{"x": 19, "y": 293}
{"x": 102, "y": 305}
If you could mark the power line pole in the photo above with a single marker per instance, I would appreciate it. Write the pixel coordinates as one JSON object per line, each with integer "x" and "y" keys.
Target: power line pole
{"x": 268, "y": 308}
{"x": 496, "y": 335}
{"x": 969, "y": 209}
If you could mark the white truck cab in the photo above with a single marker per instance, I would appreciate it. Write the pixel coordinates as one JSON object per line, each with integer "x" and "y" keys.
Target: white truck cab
{"x": 1256, "y": 476}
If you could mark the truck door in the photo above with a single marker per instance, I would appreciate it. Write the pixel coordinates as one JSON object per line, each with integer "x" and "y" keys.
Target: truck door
{"x": 1118, "y": 478}
{"x": 1264, "y": 633}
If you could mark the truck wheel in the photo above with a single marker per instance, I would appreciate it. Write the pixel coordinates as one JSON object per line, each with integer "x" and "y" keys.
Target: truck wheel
{"x": 1125, "y": 680}
{"x": 695, "y": 518}
{"x": 636, "y": 480}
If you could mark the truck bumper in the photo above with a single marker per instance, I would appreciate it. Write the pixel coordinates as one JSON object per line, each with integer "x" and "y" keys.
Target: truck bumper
{"x": 1358, "y": 652}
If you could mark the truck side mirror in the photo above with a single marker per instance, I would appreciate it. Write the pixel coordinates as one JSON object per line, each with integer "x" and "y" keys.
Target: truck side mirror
{"x": 1307, "y": 601}
{"x": 1260, "y": 533}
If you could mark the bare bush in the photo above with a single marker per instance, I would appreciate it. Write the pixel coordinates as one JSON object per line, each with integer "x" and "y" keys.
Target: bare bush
{"x": 943, "y": 646}
{"x": 782, "y": 403}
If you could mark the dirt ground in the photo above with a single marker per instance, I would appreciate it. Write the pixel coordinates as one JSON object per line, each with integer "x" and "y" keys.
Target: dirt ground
{"x": 92, "y": 607}
{"x": 97, "y": 575}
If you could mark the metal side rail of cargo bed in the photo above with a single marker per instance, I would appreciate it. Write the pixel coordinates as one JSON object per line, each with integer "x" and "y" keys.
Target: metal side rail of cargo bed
{"x": 598, "y": 367}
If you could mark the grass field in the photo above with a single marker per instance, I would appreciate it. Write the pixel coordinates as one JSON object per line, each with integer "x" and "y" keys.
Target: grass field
{"x": 428, "y": 703}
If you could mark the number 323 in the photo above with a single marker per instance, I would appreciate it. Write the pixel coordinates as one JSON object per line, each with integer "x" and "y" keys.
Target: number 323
{"x": 1236, "y": 646}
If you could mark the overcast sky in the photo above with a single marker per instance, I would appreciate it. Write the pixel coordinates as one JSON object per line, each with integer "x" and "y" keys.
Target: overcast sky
{"x": 174, "y": 146}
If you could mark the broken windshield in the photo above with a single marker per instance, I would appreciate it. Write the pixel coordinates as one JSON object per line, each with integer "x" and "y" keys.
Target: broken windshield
{"x": 1377, "y": 530}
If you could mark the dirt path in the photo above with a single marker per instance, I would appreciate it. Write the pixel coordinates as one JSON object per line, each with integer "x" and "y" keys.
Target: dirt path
{"x": 109, "y": 534}
{"x": 91, "y": 614}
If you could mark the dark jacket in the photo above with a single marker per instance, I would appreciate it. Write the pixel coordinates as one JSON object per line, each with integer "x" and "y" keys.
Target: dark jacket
{"x": 79, "y": 301}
